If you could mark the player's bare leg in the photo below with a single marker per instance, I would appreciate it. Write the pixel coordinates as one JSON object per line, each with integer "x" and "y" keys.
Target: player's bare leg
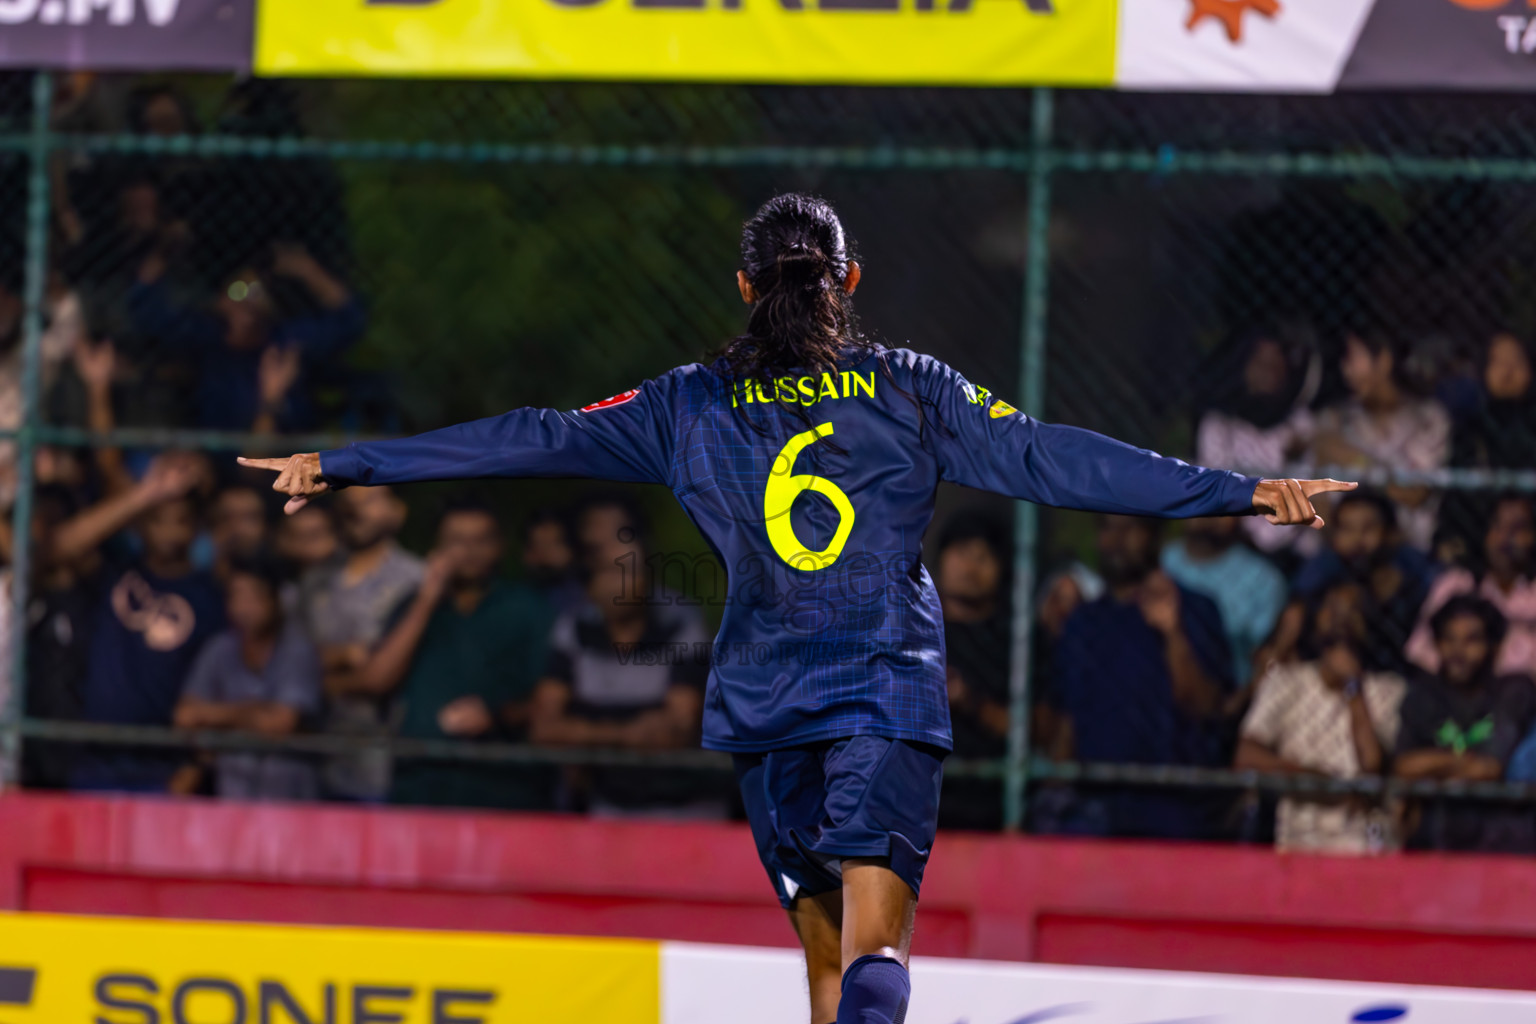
{"x": 818, "y": 920}
{"x": 879, "y": 911}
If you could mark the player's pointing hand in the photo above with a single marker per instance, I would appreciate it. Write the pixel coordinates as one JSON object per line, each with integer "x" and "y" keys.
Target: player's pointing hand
{"x": 298, "y": 476}
{"x": 1289, "y": 502}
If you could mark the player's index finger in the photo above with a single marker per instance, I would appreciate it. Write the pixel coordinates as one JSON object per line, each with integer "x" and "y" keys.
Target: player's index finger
{"x": 1324, "y": 486}
{"x": 275, "y": 465}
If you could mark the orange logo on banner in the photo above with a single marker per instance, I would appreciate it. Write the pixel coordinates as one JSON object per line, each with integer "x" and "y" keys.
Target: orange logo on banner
{"x": 1482, "y": 5}
{"x": 1230, "y": 13}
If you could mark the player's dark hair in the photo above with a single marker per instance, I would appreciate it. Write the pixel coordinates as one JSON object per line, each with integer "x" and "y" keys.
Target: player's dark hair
{"x": 796, "y": 255}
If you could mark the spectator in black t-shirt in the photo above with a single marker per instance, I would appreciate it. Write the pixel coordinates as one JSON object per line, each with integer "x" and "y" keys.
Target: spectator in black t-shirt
{"x": 1502, "y": 433}
{"x": 972, "y": 567}
{"x": 1463, "y": 724}
{"x": 60, "y": 607}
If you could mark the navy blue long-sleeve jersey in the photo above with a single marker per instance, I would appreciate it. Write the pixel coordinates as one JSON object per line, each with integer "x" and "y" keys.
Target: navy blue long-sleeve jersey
{"x": 814, "y": 493}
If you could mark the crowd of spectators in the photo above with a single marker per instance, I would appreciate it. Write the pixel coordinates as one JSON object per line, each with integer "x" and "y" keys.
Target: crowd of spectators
{"x": 1394, "y": 643}
{"x": 1400, "y": 641}
{"x": 183, "y": 602}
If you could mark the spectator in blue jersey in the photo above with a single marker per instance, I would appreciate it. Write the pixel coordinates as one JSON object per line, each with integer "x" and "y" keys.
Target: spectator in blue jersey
{"x": 154, "y": 618}
{"x": 1142, "y": 675}
{"x": 460, "y": 660}
{"x": 809, "y": 455}
{"x": 261, "y": 675}
{"x": 1522, "y": 763}
{"x": 1211, "y": 559}
{"x": 971, "y": 573}
{"x": 627, "y": 671}
{"x": 228, "y": 343}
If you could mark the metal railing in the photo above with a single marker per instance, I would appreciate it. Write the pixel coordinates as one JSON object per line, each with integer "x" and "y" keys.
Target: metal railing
{"x": 1039, "y": 167}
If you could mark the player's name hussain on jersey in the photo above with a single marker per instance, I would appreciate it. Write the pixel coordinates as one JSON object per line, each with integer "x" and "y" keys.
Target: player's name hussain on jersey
{"x": 807, "y": 390}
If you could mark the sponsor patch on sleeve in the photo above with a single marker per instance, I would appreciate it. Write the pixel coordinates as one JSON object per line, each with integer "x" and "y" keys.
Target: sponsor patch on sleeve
{"x": 1000, "y": 409}
{"x": 609, "y": 403}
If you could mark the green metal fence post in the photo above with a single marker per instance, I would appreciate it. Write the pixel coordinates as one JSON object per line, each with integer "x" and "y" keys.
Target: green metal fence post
{"x": 32, "y": 335}
{"x": 1032, "y": 401}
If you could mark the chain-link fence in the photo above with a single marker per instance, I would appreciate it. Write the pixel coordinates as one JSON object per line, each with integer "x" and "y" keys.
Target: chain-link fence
{"x": 1183, "y": 272}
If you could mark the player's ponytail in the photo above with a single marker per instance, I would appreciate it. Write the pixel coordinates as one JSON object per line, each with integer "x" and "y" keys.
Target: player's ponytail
{"x": 796, "y": 256}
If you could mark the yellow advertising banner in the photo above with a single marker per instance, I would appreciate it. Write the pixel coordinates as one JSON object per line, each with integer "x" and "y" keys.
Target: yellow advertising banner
{"x": 950, "y": 42}
{"x": 56, "y": 969}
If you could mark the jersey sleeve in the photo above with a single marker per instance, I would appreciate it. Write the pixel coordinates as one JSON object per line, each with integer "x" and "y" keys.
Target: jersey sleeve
{"x": 986, "y": 443}
{"x": 627, "y": 438}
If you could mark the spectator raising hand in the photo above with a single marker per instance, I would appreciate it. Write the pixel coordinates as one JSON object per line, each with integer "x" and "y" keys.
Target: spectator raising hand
{"x": 96, "y": 365}
{"x": 294, "y": 260}
{"x": 347, "y": 602}
{"x": 153, "y": 619}
{"x": 467, "y": 716}
{"x": 1159, "y": 603}
{"x": 461, "y": 659}
{"x": 1142, "y": 675}
{"x": 275, "y": 376}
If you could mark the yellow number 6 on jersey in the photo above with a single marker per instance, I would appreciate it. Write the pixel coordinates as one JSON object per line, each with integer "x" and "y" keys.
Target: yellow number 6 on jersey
{"x": 784, "y": 486}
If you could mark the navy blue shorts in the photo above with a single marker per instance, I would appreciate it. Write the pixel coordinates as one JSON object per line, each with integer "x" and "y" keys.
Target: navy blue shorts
{"x": 866, "y": 796}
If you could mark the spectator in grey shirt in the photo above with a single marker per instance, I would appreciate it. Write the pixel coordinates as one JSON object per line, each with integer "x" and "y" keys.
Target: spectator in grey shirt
{"x": 261, "y": 675}
{"x": 345, "y": 606}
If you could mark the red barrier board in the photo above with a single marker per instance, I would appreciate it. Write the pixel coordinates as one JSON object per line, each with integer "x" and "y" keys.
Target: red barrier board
{"x": 1426, "y": 919}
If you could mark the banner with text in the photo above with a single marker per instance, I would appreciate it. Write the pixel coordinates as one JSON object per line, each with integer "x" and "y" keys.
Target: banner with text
{"x": 127, "y": 35}
{"x": 766, "y": 986}
{"x": 1186, "y": 45}
{"x": 57, "y": 968}
{"x": 117, "y": 971}
{"x": 1301, "y": 46}
{"x": 973, "y": 42}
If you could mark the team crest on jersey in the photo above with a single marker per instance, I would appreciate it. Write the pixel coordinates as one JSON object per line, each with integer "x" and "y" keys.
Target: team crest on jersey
{"x": 981, "y": 396}
{"x": 609, "y": 403}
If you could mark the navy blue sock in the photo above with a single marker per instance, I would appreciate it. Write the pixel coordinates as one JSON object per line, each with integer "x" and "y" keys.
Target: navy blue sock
{"x": 875, "y": 991}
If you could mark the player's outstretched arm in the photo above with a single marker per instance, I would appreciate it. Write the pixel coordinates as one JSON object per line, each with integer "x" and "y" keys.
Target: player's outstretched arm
{"x": 627, "y": 438}
{"x": 1289, "y": 502}
{"x": 298, "y": 476}
{"x": 988, "y": 444}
